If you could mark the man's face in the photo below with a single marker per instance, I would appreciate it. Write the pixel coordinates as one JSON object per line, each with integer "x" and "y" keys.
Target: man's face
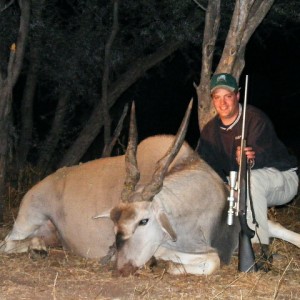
{"x": 226, "y": 104}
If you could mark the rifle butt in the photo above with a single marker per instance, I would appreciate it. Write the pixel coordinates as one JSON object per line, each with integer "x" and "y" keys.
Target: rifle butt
{"x": 246, "y": 255}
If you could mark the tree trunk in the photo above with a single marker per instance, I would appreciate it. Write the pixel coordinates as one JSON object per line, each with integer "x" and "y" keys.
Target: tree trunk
{"x": 6, "y": 86}
{"x": 25, "y": 140}
{"x": 247, "y": 15}
{"x": 95, "y": 123}
{"x": 105, "y": 78}
{"x": 49, "y": 146}
{"x": 212, "y": 23}
{"x": 5, "y": 123}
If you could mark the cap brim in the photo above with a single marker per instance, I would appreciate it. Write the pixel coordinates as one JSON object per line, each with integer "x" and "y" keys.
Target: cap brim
{"x": 226, "y": 87}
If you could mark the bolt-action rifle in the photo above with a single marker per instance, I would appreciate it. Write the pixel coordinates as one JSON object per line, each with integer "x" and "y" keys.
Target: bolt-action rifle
{"x": 246, "y": 258}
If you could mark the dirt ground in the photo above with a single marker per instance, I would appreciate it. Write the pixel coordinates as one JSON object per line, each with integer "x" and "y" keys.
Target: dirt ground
{"x": 62, "y": 275}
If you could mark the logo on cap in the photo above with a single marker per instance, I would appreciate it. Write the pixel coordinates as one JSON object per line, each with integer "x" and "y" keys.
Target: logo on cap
{"x": 221, "y": 78}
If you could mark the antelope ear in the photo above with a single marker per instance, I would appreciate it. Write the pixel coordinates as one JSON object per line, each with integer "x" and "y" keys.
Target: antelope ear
{"x": 105, "y": 214}
{"x": 166, "y": 225}
{"x": 163, "y": 221}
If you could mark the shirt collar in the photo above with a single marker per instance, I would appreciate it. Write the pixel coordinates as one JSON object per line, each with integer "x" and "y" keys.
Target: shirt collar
{"x": 233, "y": 124}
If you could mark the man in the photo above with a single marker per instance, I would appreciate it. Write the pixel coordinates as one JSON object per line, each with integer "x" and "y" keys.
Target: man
{"x": 274, "y": 180}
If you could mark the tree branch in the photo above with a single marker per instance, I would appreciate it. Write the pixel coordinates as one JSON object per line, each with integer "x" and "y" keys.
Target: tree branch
{"x": 200, "y": 5}
{"x": 105, "y": 78}
{"x": 21, "y": 40}
{"x": 109, "y": 146}
{"x": 212, "y": 23}
{"x": 7, "y": 5}
{"x": 94, "y": 124}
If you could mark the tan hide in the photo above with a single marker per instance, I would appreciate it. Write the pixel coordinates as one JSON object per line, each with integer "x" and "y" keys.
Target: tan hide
{"x": 72, "y": 196}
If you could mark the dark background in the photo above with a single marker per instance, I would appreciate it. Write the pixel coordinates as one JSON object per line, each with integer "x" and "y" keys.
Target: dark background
{"x": 162, "y": 95}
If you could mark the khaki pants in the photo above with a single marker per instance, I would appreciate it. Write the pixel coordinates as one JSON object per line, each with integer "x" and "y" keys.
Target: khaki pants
{"x": 269, "y": 187}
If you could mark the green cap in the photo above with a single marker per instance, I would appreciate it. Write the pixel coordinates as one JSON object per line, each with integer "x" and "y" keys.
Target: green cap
{"x": 223, "y": 80}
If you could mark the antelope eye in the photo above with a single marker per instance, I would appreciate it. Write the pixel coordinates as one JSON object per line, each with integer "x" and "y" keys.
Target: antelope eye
{"x": 143, "y": 222}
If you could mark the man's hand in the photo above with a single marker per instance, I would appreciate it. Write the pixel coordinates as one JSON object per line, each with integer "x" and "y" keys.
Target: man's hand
{"x": 249, "y": 152}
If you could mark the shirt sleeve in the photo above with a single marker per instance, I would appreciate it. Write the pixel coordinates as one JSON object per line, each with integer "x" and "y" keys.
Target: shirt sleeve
{"x": 269, "y": 150}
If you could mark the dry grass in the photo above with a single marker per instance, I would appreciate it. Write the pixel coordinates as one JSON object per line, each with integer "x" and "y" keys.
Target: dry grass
{"x": 65, "y": 276}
